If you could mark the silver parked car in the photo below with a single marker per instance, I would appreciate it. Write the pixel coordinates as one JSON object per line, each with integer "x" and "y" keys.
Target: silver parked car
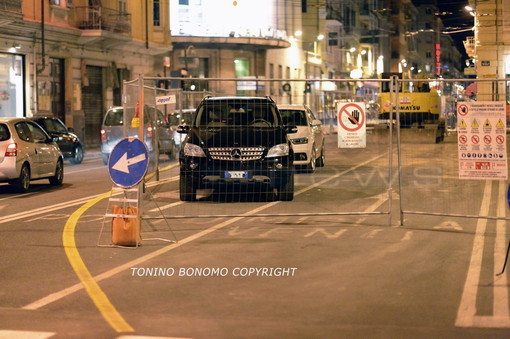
{"x": 308, "y": 141}
{"x": 28, "y": 153}
{"x": 157, "y": 128}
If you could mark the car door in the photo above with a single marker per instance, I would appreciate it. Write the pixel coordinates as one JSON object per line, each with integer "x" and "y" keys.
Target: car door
{"x": 27, "y": 150}
{"x": 44, "y": 149}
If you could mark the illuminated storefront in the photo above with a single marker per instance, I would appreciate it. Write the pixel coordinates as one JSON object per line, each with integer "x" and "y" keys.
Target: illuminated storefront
{"x": 12, "y": 90}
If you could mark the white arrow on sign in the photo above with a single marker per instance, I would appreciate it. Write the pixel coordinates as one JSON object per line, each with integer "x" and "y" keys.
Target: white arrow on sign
{"x": 123, "y": 163}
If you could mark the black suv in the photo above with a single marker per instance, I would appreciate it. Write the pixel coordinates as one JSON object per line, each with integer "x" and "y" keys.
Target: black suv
{"x": 233, "y": 142}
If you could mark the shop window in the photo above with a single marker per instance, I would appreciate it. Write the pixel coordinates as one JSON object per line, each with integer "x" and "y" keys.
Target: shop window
{"x": 12, "y": 91}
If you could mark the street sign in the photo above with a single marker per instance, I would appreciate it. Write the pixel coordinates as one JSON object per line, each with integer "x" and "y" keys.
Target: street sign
{"x": 482, "y": 140}
{"x": 128, "y": 163}
{"x": 351, "y": 125}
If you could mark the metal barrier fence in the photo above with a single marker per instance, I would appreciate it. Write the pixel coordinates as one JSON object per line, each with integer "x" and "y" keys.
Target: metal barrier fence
{"x": 409, "y": 165}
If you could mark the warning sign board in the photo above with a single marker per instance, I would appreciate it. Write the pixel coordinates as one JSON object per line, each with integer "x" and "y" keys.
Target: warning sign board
{"x": 352, "y": 130}
{"x": 482, "y": 148}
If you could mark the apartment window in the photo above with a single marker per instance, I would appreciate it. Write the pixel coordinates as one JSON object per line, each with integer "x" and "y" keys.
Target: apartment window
{"x": 184, "y": 2}
{"x": 333, "y": 39}
{"x": 303, "y": 6}
{"x": 428, "y": 54}
{"x": 156, "y": 11}
{"x": 122, "y": 6}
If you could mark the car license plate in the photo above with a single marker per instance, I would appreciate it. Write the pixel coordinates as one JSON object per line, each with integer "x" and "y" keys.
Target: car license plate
{"x": 236, "y": 175}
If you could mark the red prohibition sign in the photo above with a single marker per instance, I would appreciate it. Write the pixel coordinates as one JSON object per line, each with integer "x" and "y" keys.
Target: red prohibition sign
{"x": 462, "y": 109}
{"x": 462, "y": 139}
{"x": 475, "y": 139}
{"x": 500, "y": 139}
{"x": 487, "y": 139}
{"x": 358, "y": 124}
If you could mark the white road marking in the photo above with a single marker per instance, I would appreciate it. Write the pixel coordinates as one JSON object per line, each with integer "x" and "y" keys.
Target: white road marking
{"x": 371, "y": 234}
{"x": 55, "y": 207}
{"x": 466, "y": 314}
{"x": 500, "y": 295}
{"x": 11, "y": 334}
{"x": 407, "y": 236}
{"x": 449, "y": 225}
{"x": 137, "y": 262}
{"x": 326, "y": 234}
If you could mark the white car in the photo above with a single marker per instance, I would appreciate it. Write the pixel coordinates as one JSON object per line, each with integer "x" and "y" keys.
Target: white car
{"x": 27, "y": 153}
{"x": 308, "y": 141}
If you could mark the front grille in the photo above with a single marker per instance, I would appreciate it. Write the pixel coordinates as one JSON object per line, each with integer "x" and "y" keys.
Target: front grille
{"x": 236, "y": 153}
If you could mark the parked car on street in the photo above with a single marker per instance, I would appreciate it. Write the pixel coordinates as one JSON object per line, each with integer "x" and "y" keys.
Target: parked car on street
{"x": 156, "y": 128}
{"x": 68, "y": 142}
{"x": 181, "y": 117}
{"x": 236, "y": 142}
{"x": 308, "y": 141}
{"x": 28, "y": 153}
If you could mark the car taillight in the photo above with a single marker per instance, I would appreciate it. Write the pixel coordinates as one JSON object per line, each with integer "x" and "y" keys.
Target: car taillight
{"x": 149, "y": 132}
{"x": 12, "y": 150}
{"x": 103, "y": 135}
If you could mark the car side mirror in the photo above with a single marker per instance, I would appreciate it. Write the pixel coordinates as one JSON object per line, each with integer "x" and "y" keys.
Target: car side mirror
{"x": 70, "y": 129}
{"x": 183, "y": 129}
{"x": 316, "y": 122}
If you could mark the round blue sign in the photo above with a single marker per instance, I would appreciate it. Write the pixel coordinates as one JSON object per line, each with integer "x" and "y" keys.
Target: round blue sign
{"x": 128, "y": 162}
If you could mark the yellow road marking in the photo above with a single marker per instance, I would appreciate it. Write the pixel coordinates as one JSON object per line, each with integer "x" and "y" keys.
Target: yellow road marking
{"x": 103, "y": 304}
{"x": 108, "y": 311}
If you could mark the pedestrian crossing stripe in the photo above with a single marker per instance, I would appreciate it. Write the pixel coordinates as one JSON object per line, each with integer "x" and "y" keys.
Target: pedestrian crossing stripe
{"x": 500, "y": 124}
{"x": 487, "y": 123}
{"x": 474, "y": 123}
{"x": 462, "y": 123}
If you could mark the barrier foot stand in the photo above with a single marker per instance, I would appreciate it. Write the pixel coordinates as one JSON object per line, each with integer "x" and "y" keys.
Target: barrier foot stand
{"x": 506, "y": 260}
{"x": 146, "y": 190}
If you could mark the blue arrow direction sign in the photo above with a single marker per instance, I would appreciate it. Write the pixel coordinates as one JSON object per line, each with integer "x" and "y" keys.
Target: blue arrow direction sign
{"x": 128, "y": 162}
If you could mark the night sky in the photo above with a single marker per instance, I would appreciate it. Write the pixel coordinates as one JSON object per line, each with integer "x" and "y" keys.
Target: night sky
{"x": 455, "y": 18}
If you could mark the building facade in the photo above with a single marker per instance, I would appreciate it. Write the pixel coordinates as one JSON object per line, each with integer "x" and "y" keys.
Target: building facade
{"x": 68, "y": 58}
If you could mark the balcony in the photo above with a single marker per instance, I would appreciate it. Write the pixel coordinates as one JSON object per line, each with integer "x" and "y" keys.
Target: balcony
{"x": 11, "y": 12}
{"x": 102, "y": 24}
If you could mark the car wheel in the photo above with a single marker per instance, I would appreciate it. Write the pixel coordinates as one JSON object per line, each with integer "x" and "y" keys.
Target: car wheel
{"x": 286, "y": 192}
{"x": 23, "y": 182}
{"x": 77, "y": 155}
{"x": 58, "y": 178}
{"x": 310, "y": 168}
{"x": 321, "y": 160}
{"x": 187, "y": 191}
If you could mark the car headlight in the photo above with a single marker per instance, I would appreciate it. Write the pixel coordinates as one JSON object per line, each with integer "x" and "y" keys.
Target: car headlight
{"x": 278, "y": 151}
{"x": 192, "y": 150}
{"x": 299, "y": 141}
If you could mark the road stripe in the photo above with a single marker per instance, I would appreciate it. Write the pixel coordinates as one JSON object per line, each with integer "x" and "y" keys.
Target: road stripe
{"x": 63, "y": 205}
{"x": 90, "y": 283}
{"x": 108, "y": 311}
{"x": 12, "y": 334}
{"x": 466, "y": 314}
{"x": 500, "y": 294}
{"x": 467, "y": 307}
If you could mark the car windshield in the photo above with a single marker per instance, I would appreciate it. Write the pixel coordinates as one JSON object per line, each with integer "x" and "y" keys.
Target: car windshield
{"x": 236, "y": 112}
{"x": 114, "y": 117}
{"x": 52, "y": 125}
{"x": 4, "y": 132}
{"x": 293, "y": 117}
{"x": 181, "y": 118}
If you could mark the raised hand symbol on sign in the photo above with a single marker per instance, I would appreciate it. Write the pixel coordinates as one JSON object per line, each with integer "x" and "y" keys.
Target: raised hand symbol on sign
{"x": 355, "y": 114}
